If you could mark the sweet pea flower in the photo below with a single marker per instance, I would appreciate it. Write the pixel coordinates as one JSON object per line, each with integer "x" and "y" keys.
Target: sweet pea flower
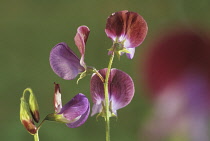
{"x": 64, "y": 61}
{"x": 74, "y": 113}
{"x": 120, "y": 87}
{"x": 127, "y": 30}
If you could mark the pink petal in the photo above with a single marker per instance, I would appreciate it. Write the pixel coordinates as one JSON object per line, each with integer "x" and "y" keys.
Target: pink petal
{"x": 57, "y": 98}
{"x": 80, "y": 41}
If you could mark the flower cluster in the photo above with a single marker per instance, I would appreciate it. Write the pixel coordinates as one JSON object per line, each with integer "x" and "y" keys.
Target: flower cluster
{"x": 111, "y": 89}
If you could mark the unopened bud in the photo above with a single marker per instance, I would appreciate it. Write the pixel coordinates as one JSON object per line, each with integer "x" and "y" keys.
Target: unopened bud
{"x": 34, "y": 106}
{"x": 26, "y": 118}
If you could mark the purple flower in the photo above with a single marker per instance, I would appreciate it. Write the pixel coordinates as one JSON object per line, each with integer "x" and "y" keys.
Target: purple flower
{"x": 127, "y": 29}
{"x": 74, "y": 113}
{"x": 121, "y": 91}
{"x": 63, "y": 60}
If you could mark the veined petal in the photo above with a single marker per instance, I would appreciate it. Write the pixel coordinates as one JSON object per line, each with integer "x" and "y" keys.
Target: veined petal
{"x": 97, "y": 91}
{"x": 76, "y": 107}
{"x": 80, "y": 41}
{"x": 115, "y": 26}
{"x": 81, "y": 120}
{"x": 97, "y": 87}
{"x": 121, "y": 89}
{"x": 64, "y": 62}
{"x": 126, "y": 26}
{"x": 57, "y": 98}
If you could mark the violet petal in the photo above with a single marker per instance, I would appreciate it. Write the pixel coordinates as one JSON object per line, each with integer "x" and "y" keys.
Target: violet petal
{"x": 81, "y": 120}
{"x": 80, "y": 41}
{"x": 76, "y": 107}
{"x": 64, "y": 62}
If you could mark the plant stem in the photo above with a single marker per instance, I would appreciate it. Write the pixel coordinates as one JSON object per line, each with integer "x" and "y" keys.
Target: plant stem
{"x": 106, "y": 93}
{"x": 36, "y": 136}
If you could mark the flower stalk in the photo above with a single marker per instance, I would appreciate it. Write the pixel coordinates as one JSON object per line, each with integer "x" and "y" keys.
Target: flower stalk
{"x": 36, "y": 136}
{"x": 106, "y": 93}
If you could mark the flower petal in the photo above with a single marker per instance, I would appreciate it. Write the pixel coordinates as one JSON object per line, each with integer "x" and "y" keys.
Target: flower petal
{"x": 115, "y": 26}
{"x": 64, "y": 62}
{"x": 97, "y": 91}
{"x": 127, "y": 26}
{"x": 121, "y": 89}
{"x": 81, "y": 120}
{"x": 80, "y": 41}
{"x": 57, "y": 98}
{"x": 131, "y": 54}
{"x": 76, "y": 107}
{"x": 97, "y": 87}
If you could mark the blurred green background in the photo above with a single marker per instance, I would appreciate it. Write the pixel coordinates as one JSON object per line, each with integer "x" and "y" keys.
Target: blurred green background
{"x": 30, "y": 28}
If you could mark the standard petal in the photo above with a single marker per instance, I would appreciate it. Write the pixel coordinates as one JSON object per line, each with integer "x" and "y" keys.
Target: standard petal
{"x": 97, "y": 87}
{"x": 136, "y": 30}
{"x": 57, "y": 98}
{"x": 121, "y": 89}
{"x": 81, "y": 120}
{"x": 126, "y": 26}
{"x": 115, "y": 26}
{"x": 131, "y": 54}
{"x": 75, "y": 107}
{"x": 80, "y": 41}
{"x": 64, "y": 62}
{"x": 97, "y": 91}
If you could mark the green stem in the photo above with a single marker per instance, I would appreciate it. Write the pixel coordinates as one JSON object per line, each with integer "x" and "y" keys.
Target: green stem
{"x": 107, "y": 112}
{"x": 36, "y": 136}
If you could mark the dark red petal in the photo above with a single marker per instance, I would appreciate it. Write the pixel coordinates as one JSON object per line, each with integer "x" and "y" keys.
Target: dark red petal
{"x": 128, "y": 26}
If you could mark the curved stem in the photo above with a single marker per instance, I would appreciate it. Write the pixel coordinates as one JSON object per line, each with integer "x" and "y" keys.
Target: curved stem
{"x": 99, "y": 75}
{"x": 106, "y": 92}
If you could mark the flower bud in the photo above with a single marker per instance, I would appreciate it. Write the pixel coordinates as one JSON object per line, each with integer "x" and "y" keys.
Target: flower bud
{"x": 34, "y": 106}
{"x": 26, "y": 118}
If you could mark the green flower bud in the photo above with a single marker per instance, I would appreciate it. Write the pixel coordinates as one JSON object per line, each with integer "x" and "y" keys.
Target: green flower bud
{"x": 34, "y": 106}
{"x": 26, "y": 118}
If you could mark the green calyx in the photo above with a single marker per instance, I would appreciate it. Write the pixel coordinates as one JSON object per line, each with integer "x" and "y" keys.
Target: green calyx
{"x": 59, "y": 118}
{"x": 103, "y": 112}
{"x": 88, "y": 71}
{"x": 118, "y": 48}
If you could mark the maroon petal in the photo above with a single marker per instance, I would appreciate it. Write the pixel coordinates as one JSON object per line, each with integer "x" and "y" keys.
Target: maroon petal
{"x": 97, "y": 92}
{"x": 126, "y": 26}
{"x": 64, "y": 62}
{"x": 121, "y": 89}
{"x": 80, "y": 41}
{"x": 97, "y": 87}
{"x": 76, "y": 107}
{"x": 57, "y": 98}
